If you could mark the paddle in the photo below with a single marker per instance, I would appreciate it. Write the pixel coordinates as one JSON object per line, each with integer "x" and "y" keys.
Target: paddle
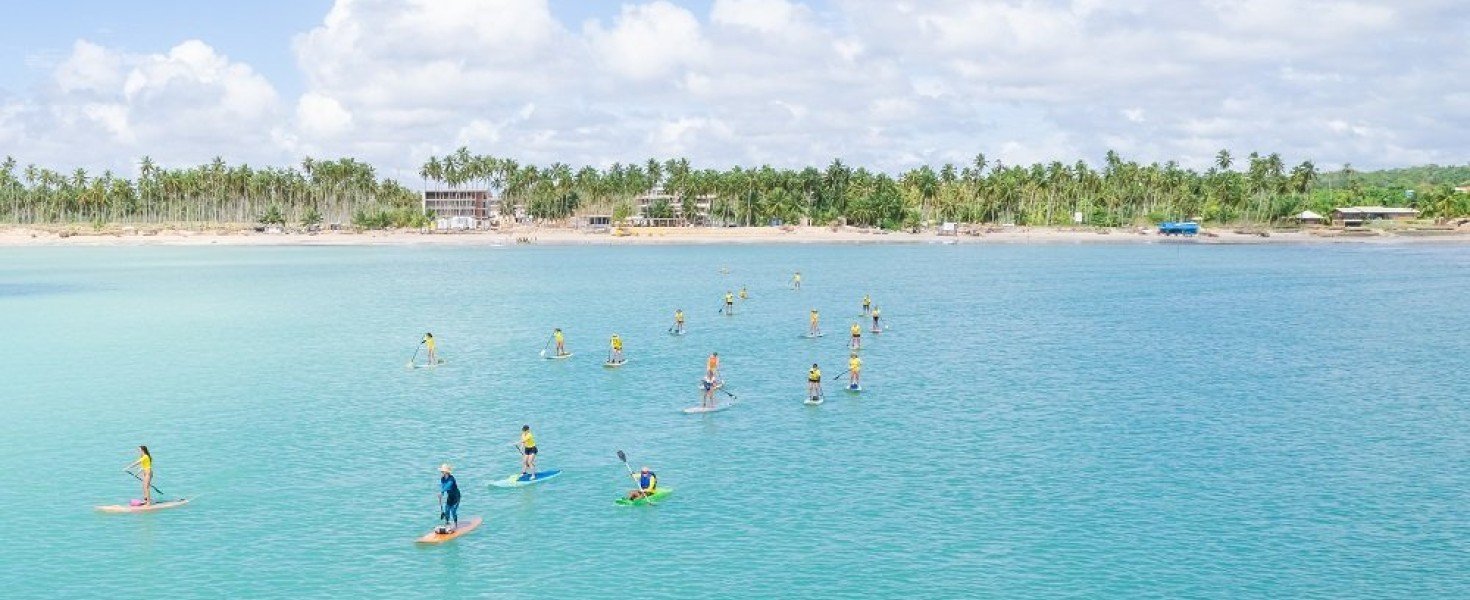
{"x": 839, "y": 376}
{"x": 415, "y": 354}
{"x": 547, "y": 346}
{"x": 155, "y": 488}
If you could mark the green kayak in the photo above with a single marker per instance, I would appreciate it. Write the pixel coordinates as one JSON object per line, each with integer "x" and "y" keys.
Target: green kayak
{"x": 657, "y": 494}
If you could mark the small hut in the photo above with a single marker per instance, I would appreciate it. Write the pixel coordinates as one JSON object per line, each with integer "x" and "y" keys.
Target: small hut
{"x": 1310, "y": 218}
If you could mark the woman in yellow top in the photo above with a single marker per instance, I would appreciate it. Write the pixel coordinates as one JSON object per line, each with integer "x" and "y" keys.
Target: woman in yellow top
{"x": 433, "y": 349}
{"x": 744, "y": 295}
{"x": 729, "y": 304}
{"x": 857, "y": 337}
{"x": 528, "y": 451}
{"x": 145, "y": 465}
{"x": 678, "y": 321}
{"x": 617, "y": 350}
{"x": 796, "y": 281}
{"x": 876, "y": 329}
{"x": 815, "y": 319}
{"x": 854, "y": 369}
{"x": 867, "y": 304}
{"x": 814, "y": 382}
{"x": 561, "y": 347}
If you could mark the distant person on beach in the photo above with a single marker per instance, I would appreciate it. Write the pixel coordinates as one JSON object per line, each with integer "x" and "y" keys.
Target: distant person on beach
{"x": 617, "y": 350}
{"x": 796, "y": 281}
{"x": 815, "y": 319}
{"x": 679, "y": 321}
{"x": 527, "y": 446}
{"x": 561, "y": 342}
{"x": 433, "y": 349}
{"x": 857, "y": 337}
{"x": 145, "y": 468}
{"x": 814, "y": 381}
{"x": 854, "y": 369}
{"x": 448, "y": 500}
{"x": 647, "y": 484}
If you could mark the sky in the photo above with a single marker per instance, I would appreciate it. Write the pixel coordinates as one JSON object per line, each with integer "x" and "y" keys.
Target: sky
{"x": 888, "y": 85}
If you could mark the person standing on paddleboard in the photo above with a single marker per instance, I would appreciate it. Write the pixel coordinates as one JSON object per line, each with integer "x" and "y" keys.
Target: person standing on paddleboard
{"x": 433, "y": 349}
{"x": 729, "y": 303}
{"x": 796, "y": 281}
{"x": 708, "y": 385}
{"x": 679, "y": 321}
{"x": 815, "y": 319}
{"x": 857, "y": 337}
{"x": 528, "y": 452}
{"x": 855, "y": 368}
{"x": 647, "y": 484}
{"x": 617, "y": 350}
{"x": 814, "y": 382}
{"x": 867, "y": 304}
{"x": 875, "y": 320}
{"x": 561, "y": 342}
{"x": 145, "y": 468}
{"x": 448, "y": 499}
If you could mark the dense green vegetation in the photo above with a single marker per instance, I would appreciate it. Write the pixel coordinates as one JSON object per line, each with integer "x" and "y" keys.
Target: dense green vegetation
{"x": 1260, "y": 189}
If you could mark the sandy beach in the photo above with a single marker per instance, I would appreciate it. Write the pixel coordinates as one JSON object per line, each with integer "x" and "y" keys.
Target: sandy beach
{"x": 241, "y": 236}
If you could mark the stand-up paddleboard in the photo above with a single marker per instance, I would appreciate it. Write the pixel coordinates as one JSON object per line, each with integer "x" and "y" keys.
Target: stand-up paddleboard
{"x": 810, "y": 335}
{"x": 426, "y": 365}
{"x": 559, "y": 356}
{"x": 434, "y": 537}
{"x": 814, "y": 401}
{"x": 698, "y": 410}
{"x": 854, "y": 388}
{"x": 614, "y": 364}
{"x": 140, "y": 507}
{"x": 658, "y": 494}
{"x": 520, "y": 480}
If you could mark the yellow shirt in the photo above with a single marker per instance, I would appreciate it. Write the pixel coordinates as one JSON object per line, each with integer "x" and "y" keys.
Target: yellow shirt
{"x": 617, "y": 343}
{"x": 857, "y": 331}
{"x": 867, "y": 301}
{"x": 855, "y": 363}
{"x": 679, "y": 316}
{"x": 528, "y": 440}
{"x": 428, "y": 341}
{"x": 729, "y": 298}
{"x": 875, "y": 312}
{"x": 145, "y": 463}
{"x": 814, "y": 375}
{"x": 814, "y": 316}
{"x": 558, "y": 337}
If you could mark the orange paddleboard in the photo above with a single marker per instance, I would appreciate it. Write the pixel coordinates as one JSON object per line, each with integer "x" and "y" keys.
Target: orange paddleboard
{"x": 464, "y": 527}
{"x": 126, "y": 508}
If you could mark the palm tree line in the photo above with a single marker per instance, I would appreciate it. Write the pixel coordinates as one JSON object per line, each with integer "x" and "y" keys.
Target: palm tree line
{"x": 1261, "y": 189}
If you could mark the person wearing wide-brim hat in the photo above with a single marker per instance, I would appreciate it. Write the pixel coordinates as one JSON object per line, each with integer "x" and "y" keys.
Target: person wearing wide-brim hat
{"x": 448, "y": 499}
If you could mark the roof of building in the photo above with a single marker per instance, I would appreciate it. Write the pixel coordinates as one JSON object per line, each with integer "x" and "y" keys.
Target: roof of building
{"x": 1380, "y": 210}
{"x": 1307, "y": 214}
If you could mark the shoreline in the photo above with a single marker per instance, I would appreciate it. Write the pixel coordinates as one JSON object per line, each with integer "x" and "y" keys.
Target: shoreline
{"x": 16, "y": 237}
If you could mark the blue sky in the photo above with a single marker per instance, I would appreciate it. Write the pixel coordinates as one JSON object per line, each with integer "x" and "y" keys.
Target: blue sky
{"x": 885, "y": 83}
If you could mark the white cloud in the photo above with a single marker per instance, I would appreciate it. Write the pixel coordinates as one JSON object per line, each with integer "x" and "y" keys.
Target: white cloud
{"x": 878, "y": 83}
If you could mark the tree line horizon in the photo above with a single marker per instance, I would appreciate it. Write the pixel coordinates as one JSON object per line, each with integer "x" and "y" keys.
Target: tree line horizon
{"x": 1257, "y": 190}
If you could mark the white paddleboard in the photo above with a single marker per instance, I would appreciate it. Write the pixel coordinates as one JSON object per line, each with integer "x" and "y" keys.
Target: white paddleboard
{"x": 561, "y": 357}
{"x": 813, "y": 335}
{"x": 813, "y": 401}
{"x": 614, "y": 365}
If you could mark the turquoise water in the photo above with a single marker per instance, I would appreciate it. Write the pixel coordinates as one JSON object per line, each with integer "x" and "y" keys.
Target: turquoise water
{"x": 1040, "y": 421}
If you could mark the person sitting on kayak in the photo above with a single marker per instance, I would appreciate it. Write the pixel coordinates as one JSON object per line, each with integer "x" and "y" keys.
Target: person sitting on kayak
{"x": 857, "y": 337}
{"x": 815, "y": 318}
{"x": 433, "y": 349}
{"x": 867, "y": 303}
{"x": 679, "y": 321}
{"x": 647, "y": 484}
{"x": 561, "y": 342}
{"x": 729, "y": 303}
{"x": 145, "y": 466}
{"x": 814, "y": 381}
{"x": 617, "y": 350}
{"x": 448, "y": 500}
{"x": 528, "y": 452}
{"x": 855, "y": 367}
{"x": 875, "y": 320}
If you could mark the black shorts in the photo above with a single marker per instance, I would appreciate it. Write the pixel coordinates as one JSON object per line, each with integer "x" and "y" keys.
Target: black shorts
{"x": 530, "y": 451}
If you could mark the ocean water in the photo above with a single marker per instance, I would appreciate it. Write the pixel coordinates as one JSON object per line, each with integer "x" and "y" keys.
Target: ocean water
{"x": 1167, "y": 421}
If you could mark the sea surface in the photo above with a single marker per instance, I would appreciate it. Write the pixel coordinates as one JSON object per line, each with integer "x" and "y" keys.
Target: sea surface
{"x": 1163, "y": 421}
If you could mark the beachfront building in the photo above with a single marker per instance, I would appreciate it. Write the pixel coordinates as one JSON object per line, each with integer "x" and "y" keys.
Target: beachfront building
{"x": 1308, "y": 217}
{"x": 651, "y": 204}
{"x": 593, "y": 223}
{"x": 461, "y": 209}
{"x": 1357, "y": 216}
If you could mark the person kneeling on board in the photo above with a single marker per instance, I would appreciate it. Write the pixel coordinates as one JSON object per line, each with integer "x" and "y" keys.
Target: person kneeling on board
{"x": 448, "y": 500}
{"x": 647, "y": 484}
